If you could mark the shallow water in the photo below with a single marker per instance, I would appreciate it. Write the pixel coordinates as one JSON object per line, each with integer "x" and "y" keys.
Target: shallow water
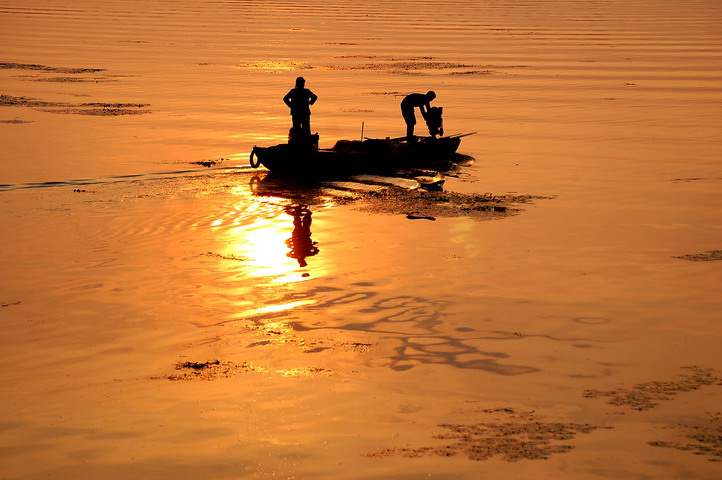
{"x": 348, "y": 342}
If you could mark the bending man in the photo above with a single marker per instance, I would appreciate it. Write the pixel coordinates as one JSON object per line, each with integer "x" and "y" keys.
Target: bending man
{"x": 408, "y": 104}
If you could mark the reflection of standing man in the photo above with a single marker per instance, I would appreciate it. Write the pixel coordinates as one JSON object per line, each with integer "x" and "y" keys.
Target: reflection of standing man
{"x": 299, "y": 99}
{"x": 408, "y": 104}
{"x": 300, "y": 242}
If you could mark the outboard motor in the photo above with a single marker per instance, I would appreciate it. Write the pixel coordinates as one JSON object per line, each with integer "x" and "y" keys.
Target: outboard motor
{"x": 434, "y": 121}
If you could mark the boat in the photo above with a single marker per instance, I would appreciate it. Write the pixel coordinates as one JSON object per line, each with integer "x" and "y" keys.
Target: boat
{"x": 350, "y": 157}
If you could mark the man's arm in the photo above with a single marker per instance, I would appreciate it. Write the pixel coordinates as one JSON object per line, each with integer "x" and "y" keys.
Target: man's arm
{"x": 312, "y": 97}
{"x": 424, "y": 109}
{"x": 287, "y": 99}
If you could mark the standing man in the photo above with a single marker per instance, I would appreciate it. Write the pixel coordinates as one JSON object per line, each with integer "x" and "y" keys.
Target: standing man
{"x": 299, "y": 99}
{"x": 407, "y": 110}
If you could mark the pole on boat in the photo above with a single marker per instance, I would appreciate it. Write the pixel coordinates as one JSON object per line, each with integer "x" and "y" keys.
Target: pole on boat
{"x": 362, "y": 131}
{"x": 459, "y": 135}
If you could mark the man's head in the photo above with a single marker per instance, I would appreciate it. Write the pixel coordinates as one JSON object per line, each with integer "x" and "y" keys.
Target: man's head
{"x": 300, "y": 82}
{"x": 430, "y": 95}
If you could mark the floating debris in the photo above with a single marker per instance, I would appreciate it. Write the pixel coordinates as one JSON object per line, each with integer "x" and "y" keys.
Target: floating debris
{"x": 645, "y": 396}
{"x": 208, "y": 163}
{"x": 225, "y": 257}
{"x": 45, "y": 68}
{"x": 209, "y": 370}
{"x": 356, "y": 346}
{"x": 94, "y": 79}
{"x": 216, "y": 369}
{"x": 694, "y": 179}
{"x": 707, "y": 256}
{"x": 474, "y": 72}
{"x": 526, "y": 438}
{"x": 95, "y": 108}
{"x": 389, "y": 94}
{"x": 413, "y": 216}
{"x": 399, "y": 66}
{"x": 434, "y": 204}
{"x": 706, "y": 440}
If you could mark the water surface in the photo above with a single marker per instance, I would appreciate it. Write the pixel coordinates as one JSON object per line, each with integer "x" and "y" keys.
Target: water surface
{"x": 351, "y": 343}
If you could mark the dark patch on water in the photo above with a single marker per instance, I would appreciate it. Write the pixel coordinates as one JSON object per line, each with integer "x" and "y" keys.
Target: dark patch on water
{"x": 431, "y": 205}
{"x": 474, "y": 72}
{"x": 45, "y": 68}
{"x": 696, "y": 179}
{"x": 389, "y": 94}
{"x": 208, "y": 370}
{"x": 703, "y": 440}
{"x": 386, "y": 58}
{"x": 415, "y": 216}
{"x": 402, "y": 66}
{"x": 708, "y": 256}
{"x": 217, "y": 369}
{"x": 104, "y": 112}
{"x": 91, "y": 108}
{"x": 208, "y": 163}
{"x": 646, "y": 396}
{"x": 37, "y": 78}
{"x": 412, "y": 193}
{"x": 518, "y": 436}
{"x": 414, "y": 66}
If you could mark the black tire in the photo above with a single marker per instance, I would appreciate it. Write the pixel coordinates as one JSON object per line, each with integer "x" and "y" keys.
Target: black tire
{"x": 257, "y": 163}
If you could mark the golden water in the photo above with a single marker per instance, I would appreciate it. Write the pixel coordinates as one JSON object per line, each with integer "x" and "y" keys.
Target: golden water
{"x": 610, "y": 109}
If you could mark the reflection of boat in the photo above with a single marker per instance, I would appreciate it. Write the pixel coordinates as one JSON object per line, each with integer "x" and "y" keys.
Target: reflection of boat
{"x": 355, "y": 156}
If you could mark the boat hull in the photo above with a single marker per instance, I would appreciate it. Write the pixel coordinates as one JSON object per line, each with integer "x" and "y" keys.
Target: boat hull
{"x": 353, "y": 157}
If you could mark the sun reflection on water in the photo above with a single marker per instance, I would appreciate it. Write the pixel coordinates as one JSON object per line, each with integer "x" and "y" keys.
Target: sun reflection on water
{"x": 273, "y": 236}
{"x": 263, "y": 243}
{"x": 281, "y": 307}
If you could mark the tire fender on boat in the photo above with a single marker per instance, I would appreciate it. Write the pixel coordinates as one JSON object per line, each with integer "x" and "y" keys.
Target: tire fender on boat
{"x": 257, "y": 163}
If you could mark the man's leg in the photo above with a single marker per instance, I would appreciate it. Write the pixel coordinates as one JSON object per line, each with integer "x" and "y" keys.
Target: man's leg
{"x": 409, "y": 131}
{"x": 410, "y": 119}
{"x": 307, "y": 125}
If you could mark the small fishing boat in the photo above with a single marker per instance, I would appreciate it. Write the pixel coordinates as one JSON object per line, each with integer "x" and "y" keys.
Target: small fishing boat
{"x": 349, "y": 157}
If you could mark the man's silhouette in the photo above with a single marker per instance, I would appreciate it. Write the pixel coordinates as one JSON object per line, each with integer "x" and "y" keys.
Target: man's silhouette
{"x": 408, "y": 104}
{"x": 299, "y": 99}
